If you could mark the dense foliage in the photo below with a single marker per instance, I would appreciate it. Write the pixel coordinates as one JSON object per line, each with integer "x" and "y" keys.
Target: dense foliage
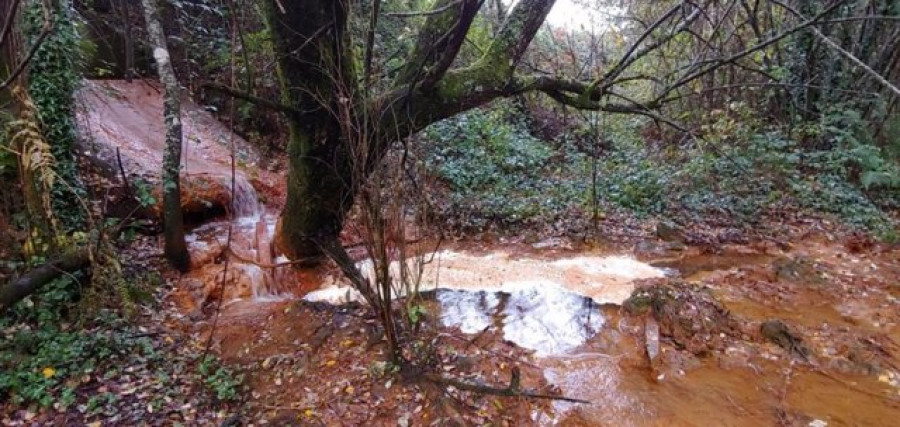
{"x": 53, "y": 78}
{"x": 496, "y": 174}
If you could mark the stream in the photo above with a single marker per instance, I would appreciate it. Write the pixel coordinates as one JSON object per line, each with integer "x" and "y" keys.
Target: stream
{"x": 565, "y": 304}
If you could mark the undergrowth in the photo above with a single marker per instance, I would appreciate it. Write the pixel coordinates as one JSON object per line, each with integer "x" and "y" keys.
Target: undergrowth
{"x": 52, "y": 81}
{"x": 497, "y": 174}
{"x": 55, "y": 354}
{"x": 492, "y": 173}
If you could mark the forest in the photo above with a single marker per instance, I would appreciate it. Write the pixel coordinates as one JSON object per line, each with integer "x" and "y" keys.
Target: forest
{"x": 450, "y": 212}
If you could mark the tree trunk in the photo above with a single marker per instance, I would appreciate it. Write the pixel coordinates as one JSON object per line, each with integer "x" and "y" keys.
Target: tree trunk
{"x": 20, "y": 288}
{"x": 129, "y": 40}
{"x": 173, "y": 223}
{"x": 315, "y": 70}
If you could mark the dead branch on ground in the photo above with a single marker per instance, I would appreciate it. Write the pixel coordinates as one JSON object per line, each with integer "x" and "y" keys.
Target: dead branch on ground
{"x": 514, "y": 389}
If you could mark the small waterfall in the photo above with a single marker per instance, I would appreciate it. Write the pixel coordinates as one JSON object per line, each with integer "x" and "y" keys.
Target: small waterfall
{"x": 253, "y": 223}
{"x": 245, "y": 202}
{"x": 251, "y": 271}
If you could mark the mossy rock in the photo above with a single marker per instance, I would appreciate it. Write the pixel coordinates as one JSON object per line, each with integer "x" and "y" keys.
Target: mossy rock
{"x": 687, "y": 314}
{"x": 778, "y": 333}
{"x": 670, "y": 231}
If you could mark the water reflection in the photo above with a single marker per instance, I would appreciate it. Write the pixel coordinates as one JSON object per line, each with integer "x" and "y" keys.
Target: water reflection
{"x": 538, "y": 315}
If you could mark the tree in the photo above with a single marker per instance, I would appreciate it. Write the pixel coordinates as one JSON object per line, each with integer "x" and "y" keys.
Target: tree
{"x": 322, "y": 89}
{"x": 317, "y": 71}
{"x": 173, "y": 223}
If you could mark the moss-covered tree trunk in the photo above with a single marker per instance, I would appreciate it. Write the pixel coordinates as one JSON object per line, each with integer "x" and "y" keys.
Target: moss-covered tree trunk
{"x": 173, "y": 223}
{"x": 315, "y": 69}
{"x": 338, "y": 134}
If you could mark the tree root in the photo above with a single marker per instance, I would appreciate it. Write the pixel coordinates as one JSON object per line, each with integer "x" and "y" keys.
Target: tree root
{"x": 512, "y": 390}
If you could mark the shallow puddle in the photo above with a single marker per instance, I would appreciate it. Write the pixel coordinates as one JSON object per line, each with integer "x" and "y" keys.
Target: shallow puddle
{"x": 549, "y": 306}
{"x": 698, "y": 267}
{"x": 535, "y": 315}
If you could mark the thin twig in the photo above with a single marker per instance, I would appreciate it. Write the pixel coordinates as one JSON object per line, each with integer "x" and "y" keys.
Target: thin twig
{"x": 122, "y": 172}
{"x": 262, "y": 102}
{"x": 45, "y": 31}
{"x": 436, "y": 11}
{"x": 215, "y": 323}
{"x": 10, "y": 19}
{"x": 858, "y": 62}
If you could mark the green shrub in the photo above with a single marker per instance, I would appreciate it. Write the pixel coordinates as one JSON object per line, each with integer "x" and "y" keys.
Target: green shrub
{"x": 630, "y": 178}
{"x": 497, "y": 173}
{"x": 221, "y": 381}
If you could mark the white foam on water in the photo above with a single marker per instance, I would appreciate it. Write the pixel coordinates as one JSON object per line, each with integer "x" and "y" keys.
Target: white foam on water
{"x": 544, "y": 317}
{"x": 538, "y": 315}
{"x": 545, "y": 305}
{"x": 619, "y": 266}
{"x": 470, "y": 311}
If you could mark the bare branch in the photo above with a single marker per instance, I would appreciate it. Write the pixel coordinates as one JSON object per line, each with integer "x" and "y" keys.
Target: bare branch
{"x": 17, "y": 289}
{"x": 859, "y": 63}
{"x": 438, "y": 43}
{"x": 45, "y": 31}
{"x": 512, "y": 390}
{"x": 262, "y": 102}
{"x": 629, "y": 57}
{"x": 10, "y": 19}
{"x": 702, "y": 68}
{"x": 370, "y": 44}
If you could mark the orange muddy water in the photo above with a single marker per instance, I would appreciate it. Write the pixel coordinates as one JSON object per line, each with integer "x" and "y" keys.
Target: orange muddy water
{"x": 842, "y": 305}
{"x": 846, "y": 316}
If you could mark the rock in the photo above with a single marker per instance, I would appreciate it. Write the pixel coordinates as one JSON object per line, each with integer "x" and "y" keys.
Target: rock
{"x": 206, "y": 283}
{"x": 687, "y": 314}
{"x": 203, "y": 196}
{"x": 637, "y": 304}
{"x": 655, "y": 249}
{"x": 651, "y": 344}
{"x": 779, "y": 334}
{"x": 798, "y": 269}
{"x": 532, "y": 238}
{"x": 120, "y": 131}
{"x": 466, "y": 363}
{"x": 670, "y": 231}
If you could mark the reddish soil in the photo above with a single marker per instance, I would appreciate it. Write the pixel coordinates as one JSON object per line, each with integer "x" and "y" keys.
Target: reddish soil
{"x": 115, "y": 114}
{"x": 309, "y": 363}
